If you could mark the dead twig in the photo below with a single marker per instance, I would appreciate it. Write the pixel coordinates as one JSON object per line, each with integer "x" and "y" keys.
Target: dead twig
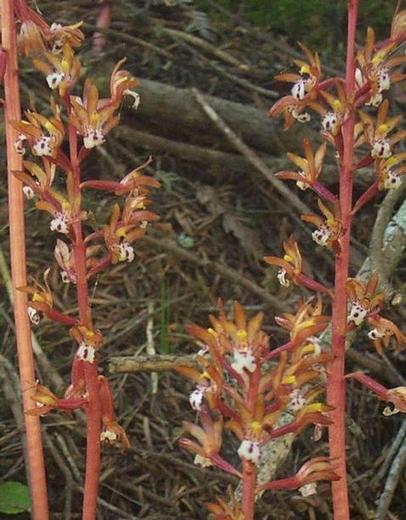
{"x": 205, "y": 46}
{"x": 127, "y": 38}
{"x": 377, "y": 257}
{"x": 394, "y": 475}
{"x": 394, "y": 448}
{"x": 151, "y": 345}
{"x": 252, "y": 157}
{"x": 236, "y": 79}
{"x": 69, "y": 482}
{"x": 155, "y": 363}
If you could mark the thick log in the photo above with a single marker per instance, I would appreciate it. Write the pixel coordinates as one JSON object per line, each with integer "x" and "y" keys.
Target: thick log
{"x": 174, "y": 113}
{"x": 230, "y": 162}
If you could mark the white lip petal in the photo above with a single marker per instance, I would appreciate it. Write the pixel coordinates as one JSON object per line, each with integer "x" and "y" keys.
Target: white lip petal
{"x": 249, "y": 450}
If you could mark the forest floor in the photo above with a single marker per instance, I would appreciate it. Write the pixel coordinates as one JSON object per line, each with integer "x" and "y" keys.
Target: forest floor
{"x": 216, "y": 224}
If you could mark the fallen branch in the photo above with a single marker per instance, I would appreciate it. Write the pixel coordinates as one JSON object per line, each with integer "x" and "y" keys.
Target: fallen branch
{"x": 232, "y": 163}
{"x": 156, "y": 363}
{"x": 174, "y": 114}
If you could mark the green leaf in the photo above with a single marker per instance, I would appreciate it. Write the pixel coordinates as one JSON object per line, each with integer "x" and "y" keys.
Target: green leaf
{"x": 14, "y": 498}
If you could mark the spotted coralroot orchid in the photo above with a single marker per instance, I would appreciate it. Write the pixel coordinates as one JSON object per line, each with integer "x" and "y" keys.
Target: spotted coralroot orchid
{"x": 45, "y": 401}
{"x": 64, "y": 258}
{"x": 334, "y": 114}
{"x": 55, "y": 144}
{"x": 112, "y": 433}
{"x": 42, "y": 303}
{"x": 290, "y": 268}
{"x": 395, "y": 396}
{"x": 363, "y": 299}
{"x": 357, "y": 126}
{"x": 376, "y": 61}
{"x": 93, "y": 117}
{"x": 383, "y": 331}
{"x": 307, "y": 322}
{"x": 127, "y": 224}
{"x": 365, "y": 304}
{"x": 303, "y": 92}
{"x": 61, "y": 70}
{"x": 38, "y": 179}
{"x": 389, "y": 172}
{"x": 36, "y": 36}
{"x": 44, "y": 135}
{"x": 376, "y": 132}
{"x": 310, "y": 168}
{"x": 329, "y": 229}
{"x": 387, "y": 164}
{"x": 244, "y": 386}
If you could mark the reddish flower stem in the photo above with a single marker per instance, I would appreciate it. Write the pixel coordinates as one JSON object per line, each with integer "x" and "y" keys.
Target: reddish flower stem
{"x": 34, "y": 448}
{"x": 93, "y": 408}
{"x": 249, "y": 482}
{"x": 249, "y": 474}
{"x": 336, "y": 382}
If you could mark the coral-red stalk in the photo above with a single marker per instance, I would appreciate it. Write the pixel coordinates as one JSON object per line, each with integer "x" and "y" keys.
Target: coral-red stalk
{"x": 249, "y": 479}
{"x": 336, "y": 382}
{"x": 249, "y": 474}
{"x": 93, "y": 408}
{"x": 34, "y": 448}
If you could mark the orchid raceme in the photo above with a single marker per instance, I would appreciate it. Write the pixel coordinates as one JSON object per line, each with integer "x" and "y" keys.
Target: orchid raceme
{"x": 55, "y": 147}
{"x": 346, "y": 107}
{"x": 237, "y": 391}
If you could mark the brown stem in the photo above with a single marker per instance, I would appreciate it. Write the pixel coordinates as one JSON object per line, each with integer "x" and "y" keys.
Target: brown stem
{"x": 336, "y": 382}
{"x": 34, "y": 448}
{"x": 93, "y": 409}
